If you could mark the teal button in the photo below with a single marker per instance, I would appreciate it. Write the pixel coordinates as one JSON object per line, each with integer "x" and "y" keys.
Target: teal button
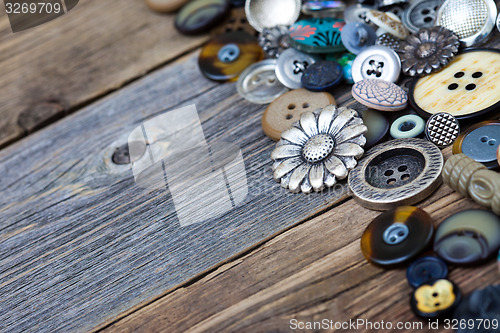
{"x": 317, "y": 35}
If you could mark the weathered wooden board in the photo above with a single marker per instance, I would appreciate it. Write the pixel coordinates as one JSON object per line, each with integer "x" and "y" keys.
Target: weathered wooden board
{"x": 81, "y": 243}
{"x": 51, "y": 70}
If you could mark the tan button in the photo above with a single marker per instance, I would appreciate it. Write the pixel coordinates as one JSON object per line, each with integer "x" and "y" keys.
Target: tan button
{"x": 286, "y": 109}
{"x": 165, "y": 6}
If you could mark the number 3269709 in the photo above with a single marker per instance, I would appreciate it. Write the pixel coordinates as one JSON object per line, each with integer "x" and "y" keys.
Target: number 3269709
{"x": 33, "y": 8}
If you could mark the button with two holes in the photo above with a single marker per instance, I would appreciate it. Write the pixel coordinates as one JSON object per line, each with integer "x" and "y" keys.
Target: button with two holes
{"x": 480, "y": 142}
{"x": 421, "y": 14}
{"x": 376, "y": 62}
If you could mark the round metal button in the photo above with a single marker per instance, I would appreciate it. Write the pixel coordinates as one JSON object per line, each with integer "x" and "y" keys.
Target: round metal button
{"x": 426, "y": 269}
{"x": 471, "y": 20}
{"x": 259, "y": 84}
{"x": 322, "y": 76}
{"x": 442, "y": 129}
{"x": 409, "y": 126}
{"x": 397, "y": 236}
{"x": 357, "y": 36}
{"x": 275, "y": 40}
{"x": 291, "y": 66}
{"x": 421, "y": 14}
{"x": 480, "y": 142}
{"x": 389, "y": 41}
{"x": 397, "y": 172}
{"x": 356, "y": 13}
{"x": 269, "y": 13}
{"x": 376, "y": 62}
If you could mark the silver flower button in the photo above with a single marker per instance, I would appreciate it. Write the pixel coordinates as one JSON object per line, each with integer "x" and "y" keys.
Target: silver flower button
{"x": 319, "y": 149}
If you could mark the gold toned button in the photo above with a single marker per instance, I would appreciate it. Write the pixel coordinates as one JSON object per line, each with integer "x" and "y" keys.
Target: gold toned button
{"x": 165, "y": 6}
{"x": 284, "y": 111}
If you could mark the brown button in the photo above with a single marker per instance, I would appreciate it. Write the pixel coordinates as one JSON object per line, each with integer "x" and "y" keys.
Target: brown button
{"x": 286, "y": 109}
{"x": 165, "y": 6}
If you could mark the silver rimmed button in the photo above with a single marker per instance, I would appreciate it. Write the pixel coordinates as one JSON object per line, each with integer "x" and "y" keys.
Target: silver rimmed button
{"x": 376, "y": 62}
{"x": 290, "y": 67}
{"x": 395, "y": 173}
{"x": 421, "y": 14}
{"x": 471, "y": 20}
{"x": 269, "y": 13}
{"x": 258, "y": 83}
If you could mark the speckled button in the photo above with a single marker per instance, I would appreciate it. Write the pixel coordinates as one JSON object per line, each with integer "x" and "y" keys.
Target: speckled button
{"x": 291, "y": 66}
{"x": 357, "y": 36}
{"x": 380, "y": 95}
{"x": 376, "y": 62}
{"x": 284, "y": 111}
{"x": 466, "y": 88}
{"x": 387, "y": 22}
{"x": 397, "y": 236}
{"x": 269, "y": 13}
{"x": 317, "y": 35}
{"x": 435, "y": 299}
{"x": 480, "y": 142}
{"x": 426, "y": 269}
{"x": 408, "y": 126}
{"x": 259, "y": 84}
{"x": 322, "y": 76}
{"x": 468, "y": 237}
{"x": 227, "y": 55}
{"x": 200, "y": 15}
{"x": 165, "y": 6}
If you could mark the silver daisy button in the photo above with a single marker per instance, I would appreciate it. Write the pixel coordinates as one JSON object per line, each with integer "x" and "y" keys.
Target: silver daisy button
{"x": 319, "y": 149}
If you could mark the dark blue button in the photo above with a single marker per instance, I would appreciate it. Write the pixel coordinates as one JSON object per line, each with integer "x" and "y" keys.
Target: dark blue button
{"x": 357, "y": 36}
{"x": 426, "y": 269}
{"x": 322, "y": 76}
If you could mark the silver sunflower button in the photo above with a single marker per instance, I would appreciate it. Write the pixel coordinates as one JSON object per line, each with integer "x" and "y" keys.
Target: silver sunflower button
{"x": 318, "y": 150}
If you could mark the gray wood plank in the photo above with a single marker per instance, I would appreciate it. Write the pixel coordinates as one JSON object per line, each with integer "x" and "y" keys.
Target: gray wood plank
{"x": 80, "y": 242}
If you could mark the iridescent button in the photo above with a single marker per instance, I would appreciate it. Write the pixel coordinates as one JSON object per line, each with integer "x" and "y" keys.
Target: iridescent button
{"x": 291, "y": 66}
{"x": 317, "y": 35}
{"x": 322, "y": 76}
{"x": 376, "y": 62}
{"x": 397, "y": 236}
{"x": 480, "y": 142}
{"x": 269, "y": 13}
{"x": 408, "y": 126}
{"x": 258, "y": 83}
{"x": 435, "y": 299}
{"x": 421, "y": 14}
{"x": 200, "y": 15}
{"x": 468, "y": 237}
{"x": 426, "y": 269}
{"x": 357, "y": 36}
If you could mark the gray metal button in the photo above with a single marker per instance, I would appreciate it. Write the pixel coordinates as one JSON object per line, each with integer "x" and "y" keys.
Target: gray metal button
{"x": 258, "y": 83}
{"x": 290, "y": 67}
{"x": 356, "y": 13}
{"x": 471, "y": 20}
{"x": 269, "y": 13}
{"x": 442, "y": 129}
{"x": 376, "y": 62}
{"x": 421, "y": 14}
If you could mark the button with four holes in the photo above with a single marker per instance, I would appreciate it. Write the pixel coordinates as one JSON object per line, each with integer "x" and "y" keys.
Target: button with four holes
{"x": 376, "y": 62}
{"x": 291, "y": 66}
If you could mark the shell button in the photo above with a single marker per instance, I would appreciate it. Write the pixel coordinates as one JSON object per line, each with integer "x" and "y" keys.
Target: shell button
{"x": 291, "y": 66}
{"x": 258, "y": 83}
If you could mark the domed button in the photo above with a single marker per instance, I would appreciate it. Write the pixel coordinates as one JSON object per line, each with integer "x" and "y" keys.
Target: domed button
{"x": 397, "y": 172}
{"x": 397, "y": 236}
{"x": 258, "y": 83}
{"x": 357, "y": 36}
{"x": 420, "y": 14}
{"x": 291, "y": 66}
{"x": 200, "y": 15}
{"x": 480, "y": 142}
{"x": 435, "y": 299}
{"x": 409, "y": 126}
{"x": 270, "y": 13}
{"x": 287, "y": 109}
{"x": 426, "y": 269}
{"x": 466, "y": 88}
{"x": 376, "y": 62}
{"x": 380, "y": 95}
{"x": 468, "y": 237}
{"x": 442, "y": 129}
{"x": 322, "y": 76}
{"x": 227, "y": 55}
{"x": 317, "y": 35}
{"x": 165, "y": 6}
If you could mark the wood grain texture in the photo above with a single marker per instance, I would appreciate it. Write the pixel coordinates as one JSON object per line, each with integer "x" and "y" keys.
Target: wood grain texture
{"x": 51, "y": 70}
{"x": 81, "y": 243}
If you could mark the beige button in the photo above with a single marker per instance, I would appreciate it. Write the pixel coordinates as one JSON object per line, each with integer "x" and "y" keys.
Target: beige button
{"x": 286, "y": 109}
{"x": 165, "y": 6}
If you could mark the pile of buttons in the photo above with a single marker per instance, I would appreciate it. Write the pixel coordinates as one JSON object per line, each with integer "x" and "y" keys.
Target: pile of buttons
{"x": 292, "y": 54}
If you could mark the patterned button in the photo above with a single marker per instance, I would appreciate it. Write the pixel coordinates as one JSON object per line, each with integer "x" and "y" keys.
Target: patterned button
{"x": 291, "y": 66}
{"x": 466, "y": 88}
{"x": 468, "y": 237}
{"x": 397, "y": 172}
{"x": 165, "y": 6}
{"x": 227, "y": 55}
{"x": 275, "y": 40}
{"x": 435, "y": 299}
{"x": 357, "y": 36}
{"x": 389, "y": 41}
{"x": 322, "y": 76}
{"x": 426, "y": 269}
{"x": 409, "y": 126}
{"x": 397, "y": 236}
{"x": 270, "y": 13}
{"x": 421, "y": 14}
{"x": 480, "y": 142}
{"x": 287, "y": 109}
{"x": 380, "y": 95}
{"x": 259, "y": 84}
{"x": 317, "y": 35}
{"x": 387, "y": 22}
{"x": 376, "y": 62}
{"x": 200, "y": 15}
{"x": 442, "y": 129}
